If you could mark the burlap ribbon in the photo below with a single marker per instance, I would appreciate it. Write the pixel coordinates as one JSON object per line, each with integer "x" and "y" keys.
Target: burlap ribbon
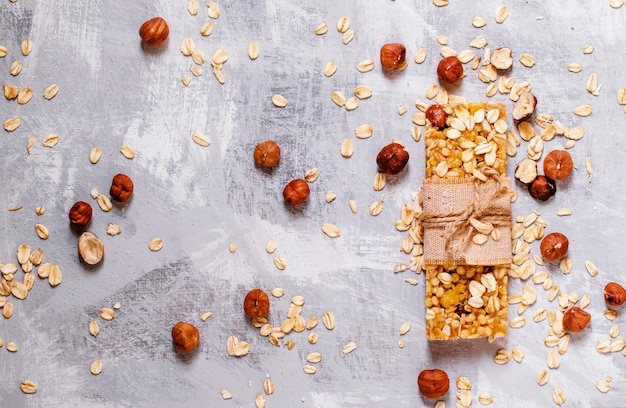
{"x": 450, "y": 205}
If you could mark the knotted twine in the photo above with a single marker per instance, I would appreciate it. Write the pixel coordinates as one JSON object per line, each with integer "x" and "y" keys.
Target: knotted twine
{"x": 449, "y": 206}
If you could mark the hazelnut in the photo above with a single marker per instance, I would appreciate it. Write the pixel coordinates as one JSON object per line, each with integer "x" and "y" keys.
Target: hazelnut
{"x": 450, "y": 69}
{"x": 267, "y": 153}
{"x": 433, "y": 383}
{"x": 80, "y": 214}
{"x": 296, "y": 192}
{"x": 90, "y": 248}
{"x": 554, "y": 246}
{"x": 437, "y": 116}
{"x": 393, "y": 56}
{"x": 524, "y": 107}
{"x": 185, "y": 336}
{"x": 526, "y": 171}
{"x": 558, "y": 165}
{"x": 575, "y": 319}
{"x": 392, "y": 158}
{"x": 502, "y": 58}
{"x": 542, "y": 188}
{"x": 154, "y": 31}
{"x": 256, "y": 304}
{"x": 121, "y": 187}
{"x": 614, "y": 294}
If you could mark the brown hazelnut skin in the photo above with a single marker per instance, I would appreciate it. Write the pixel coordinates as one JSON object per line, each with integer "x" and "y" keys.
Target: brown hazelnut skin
{"x": 256, "y": 304}
{"x": 392, "y": 56}
{"x": 267, "y": 153}
{"x": 542, "y": 188}
{"x": 80, "y": 214}
{"x": 558, "y": 165}
{"x": 392, "y": 158}
{"x": 554, "y": 246}
{"x": 296, "y": 192}
{"x": 121, "y": 187}
{"x": 154, "y": 31}
{"x": 437, "y": 116}
{"x": 614, "y": 294}
{"x": 575, "y": 319}
{"x": 433, "y": 383}
{"x": 185, "y": 336}
{"x": 450, "y": 69}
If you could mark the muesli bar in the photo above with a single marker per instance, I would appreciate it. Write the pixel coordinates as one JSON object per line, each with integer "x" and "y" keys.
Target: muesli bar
{"x": 465, "y": 299}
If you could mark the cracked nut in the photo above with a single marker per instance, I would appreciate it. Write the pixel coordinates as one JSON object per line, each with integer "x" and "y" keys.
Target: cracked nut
{"x": 450, "y": 69}
{"x": 554, "y": 246}
{"x": 256, "y": 304}
{"x": 542, "y": 188}
{"x": 267, "y": 153}
{"x": 526, "y": 171}
{"x": 392, "y": 158}
{"x": 575, "y": 319}
{"x": 121, "y": 187}
{"x": 185, "y": 336}
{"x": 614, "y": 294}
{"x": 154, "y": 31}
{"x": 524, "y": 107}
{"x": 433, "y": 383}
{"x": 393, "y": 56}
{"x": 80, "y": 214}
{"x": 502, "y": 58}
{"x": 558, "y": 165}
{"x": 296, "y": 192}
{"x": 90, "y": 248}
{"x": 437, "y": 116}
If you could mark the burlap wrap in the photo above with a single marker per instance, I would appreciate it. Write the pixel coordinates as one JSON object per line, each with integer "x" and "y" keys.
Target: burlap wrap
{"x": 448, "y": 207}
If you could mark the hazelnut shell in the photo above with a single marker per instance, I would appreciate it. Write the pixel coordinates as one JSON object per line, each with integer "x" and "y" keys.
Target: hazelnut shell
{"x": 121, "y": 187}
{"x": 392, "y": 56}
{"x": 575, "y": 319}
{"x": 542, "y": 188}
{"x": 437, "y": 116}
{"x": 554, "y": 246}
{"x": 296, "y": 192}
{"x": 433, "y": 383}
{"x": 154, "y": 31}
{"x": 392, "y": 159}
{"x": 558, "y": 165}
{"x": 614, "y": 294}
{"x": 256, "y": 304}
{"x": 267, "y": 154}
{"x": 450, "y": 69}
{"x": 80, "y": 213}
{"x": 185, "y": 336}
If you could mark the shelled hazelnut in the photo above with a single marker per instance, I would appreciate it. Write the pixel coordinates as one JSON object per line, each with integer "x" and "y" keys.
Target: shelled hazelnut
{"x": 267, "y": 153}
{"x": 121, "y": 187}
{"x": 575, "y": 319}
{"x": 558, "y": 165}
{"x": 526, "y": 171}
{"x": 450, "y": 69}
{"x": 90, "y": 248}
{"x": 433, "y": 383}
{"x": 185, "y": 336}
{"x": 393, "y": 56}
{"x": 437, "y": 116}
{"x": 80, "y": 213}
{"x": 542, "y": 188}
{"x": 614, "y": 294}
{"x": 554, "y": 246}
{"x": 256, "y": 304}
{"x": 392, "y": 158}
{"x": 502, "y": 58}
{"x": 154, "y": 31}
{"x": 524, "y": 107}
{"x": 296, "y": 192}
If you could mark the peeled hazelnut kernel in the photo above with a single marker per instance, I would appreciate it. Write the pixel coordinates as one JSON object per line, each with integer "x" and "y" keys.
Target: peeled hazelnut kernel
{"x": 524, "y": 107}
{"x": 80, "y": 214}
{"x": 558, "y": 165}
{"x": 393, "y": 56}
{"x": 90, "y": 248}
{"x": 450, "y": 69}
{"x": 256, "y": 304}
{"x": 502, "y": 58}
{"x": 614, "y": 294}
{"x": 554, "y": 246}
{"x": 267, "y": 153}
{"x": 185, "y": 336}
{"x": 433, "y": 383}
{"x": 526, "y": 171}
{"x": 392, "y": 158}
{"x": 575, "y": 319}
{"x": 121, "y": 187}
{"x": 296, "y": 192}
{"x": 437, "y": 116}
{"x": 154, "y": 31}
{"x": 542, "y": 188}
